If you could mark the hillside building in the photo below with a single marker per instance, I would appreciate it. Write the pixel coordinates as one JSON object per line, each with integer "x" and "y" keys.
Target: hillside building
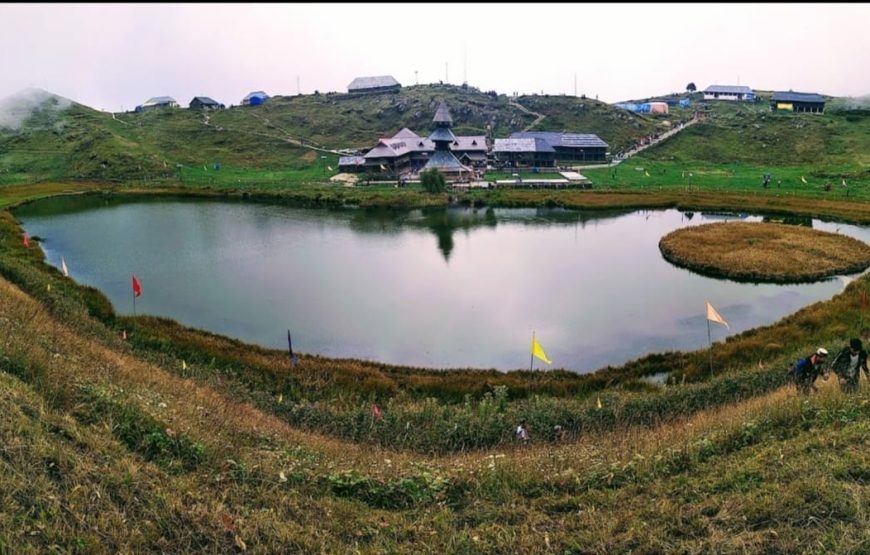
{"x": 443, "y": 159}
{"x": 566, "y": 147}
{"x": 798, "y": 102}
{"x": 255, "y": 98}
{"x": 157, "y": 102}
{"x": 205, "y": 103}
{"x": 379, "y": 84}
{"x": 737, "y": 93}
{"x": 527, "y": 152}
{"x": 406, "y": 151}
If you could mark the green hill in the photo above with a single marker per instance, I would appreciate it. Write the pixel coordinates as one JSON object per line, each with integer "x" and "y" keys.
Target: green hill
{"x": 271, "y": 141}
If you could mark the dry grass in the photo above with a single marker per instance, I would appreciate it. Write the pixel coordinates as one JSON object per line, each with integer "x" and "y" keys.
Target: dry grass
{"x": 764, "y": 251}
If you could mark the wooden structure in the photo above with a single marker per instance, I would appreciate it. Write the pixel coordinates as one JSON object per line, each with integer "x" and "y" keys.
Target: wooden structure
{"x": 205, "y": 103}
{"x": 798, "y": 102}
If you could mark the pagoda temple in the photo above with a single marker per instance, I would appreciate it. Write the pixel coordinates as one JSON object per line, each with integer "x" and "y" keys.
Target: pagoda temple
{"x": 443, "y": 159}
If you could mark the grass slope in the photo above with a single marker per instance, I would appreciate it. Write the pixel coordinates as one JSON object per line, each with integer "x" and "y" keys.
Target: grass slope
{"x": 268, "y": 144}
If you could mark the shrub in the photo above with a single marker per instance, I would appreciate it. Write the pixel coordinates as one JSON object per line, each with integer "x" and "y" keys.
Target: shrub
{"x": 433, "y": 181}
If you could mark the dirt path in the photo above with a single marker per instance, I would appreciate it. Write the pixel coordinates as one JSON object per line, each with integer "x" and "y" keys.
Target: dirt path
{"x": 540, "y": 117}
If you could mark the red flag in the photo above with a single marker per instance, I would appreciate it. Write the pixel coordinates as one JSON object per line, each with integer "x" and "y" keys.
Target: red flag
{"x": 376, "y": 412}
{"x": 137, "y": 287}
{"x": 26, "y": 241}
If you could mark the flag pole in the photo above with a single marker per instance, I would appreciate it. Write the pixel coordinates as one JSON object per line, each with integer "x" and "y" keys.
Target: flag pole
{"x": 710, "y": 339}
{"x": 532, "y": 356}
{"x": 134, "y": 303}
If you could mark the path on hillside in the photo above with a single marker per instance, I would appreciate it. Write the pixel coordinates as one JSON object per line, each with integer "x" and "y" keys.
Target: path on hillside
{"x": 522, "y": 108}
{"x": 640, "y": 147}
{"x": 296, "y": 141}
{"x": 286, "y": 137}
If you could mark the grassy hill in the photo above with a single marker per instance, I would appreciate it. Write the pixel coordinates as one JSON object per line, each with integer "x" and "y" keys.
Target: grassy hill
{"x": 183, "y": 441}
{"x": 268, "y": 143}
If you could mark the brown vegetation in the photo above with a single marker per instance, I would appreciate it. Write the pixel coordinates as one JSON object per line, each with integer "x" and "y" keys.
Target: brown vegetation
{"x": 764, "y": 252}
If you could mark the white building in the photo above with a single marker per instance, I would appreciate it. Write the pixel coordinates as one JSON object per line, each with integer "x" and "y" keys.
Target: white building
{"x": 729, "y": 92}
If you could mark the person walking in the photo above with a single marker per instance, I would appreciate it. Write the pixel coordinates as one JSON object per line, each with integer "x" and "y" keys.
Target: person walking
{"x": 848, "y": 364}
{"x": 522, "y": 433}
{"x": 807, "y": 370}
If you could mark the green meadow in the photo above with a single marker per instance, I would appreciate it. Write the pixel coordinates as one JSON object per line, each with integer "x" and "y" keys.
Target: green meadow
{"x": 178, "y": 440}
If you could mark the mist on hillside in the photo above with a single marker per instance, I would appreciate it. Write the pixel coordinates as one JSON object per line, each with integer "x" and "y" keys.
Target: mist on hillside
{"x": 856, "y": 102}
{"x": 21, "y": 106}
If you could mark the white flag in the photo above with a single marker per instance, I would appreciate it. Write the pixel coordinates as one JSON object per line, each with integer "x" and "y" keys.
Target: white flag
{"x": 63, "y": 267}
{"x": 714, "y": 316}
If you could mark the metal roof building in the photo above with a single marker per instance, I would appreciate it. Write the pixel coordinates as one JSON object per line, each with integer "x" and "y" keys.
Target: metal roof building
{"x": 545, "y": 148}
{"x": 798, "y": 102}
{"x": 791, "y": 96}
{"x": 157, "y": 102}
{"x": 381, "y": 83}
{"x": 200, "y": 102}
{"x": 729, "y": 92}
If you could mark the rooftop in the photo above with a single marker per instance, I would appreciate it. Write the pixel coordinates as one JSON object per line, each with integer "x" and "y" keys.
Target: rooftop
{"x": 442, "y": 114}
{"x": 372, "y": 82}
{"x": 791, "y": 96}
{"x": 158, "y": 100}
{"x": 569, "y": 140}
{"x": 728, "y": 89}
{"x": 206, "y": 100}
{"x": 526, "y": 144}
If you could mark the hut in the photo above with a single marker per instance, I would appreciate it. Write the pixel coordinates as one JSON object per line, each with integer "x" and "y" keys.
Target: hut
{"x": 729, "y": 92}
{"x": 378, "y": 84}
{"x": 798, "y": 102}
{"x": 351, "y": 164}
{"x": 205, "y": 103}
{"x": 156, "y": 103}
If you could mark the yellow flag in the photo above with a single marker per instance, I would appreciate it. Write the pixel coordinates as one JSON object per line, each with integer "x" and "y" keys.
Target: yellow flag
{"x": 538, "y": 351}
{"x": 714, "y": 316}
{"x": 183, "y": 365}
{"x": 280, "y": 398}
{"x": 599, "y": 402}
{"x": 646, "y": 173}
{"x": 804, "y": 180}
{"x": 48, "y": 287}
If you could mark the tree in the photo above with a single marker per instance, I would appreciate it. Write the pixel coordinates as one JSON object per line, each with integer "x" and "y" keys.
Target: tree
{"x": 433, "y": 181}
{"x": 691, "y": 87}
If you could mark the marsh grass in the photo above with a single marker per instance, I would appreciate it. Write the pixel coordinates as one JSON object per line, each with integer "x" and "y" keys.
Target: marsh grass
{"x": 764, "y": 252}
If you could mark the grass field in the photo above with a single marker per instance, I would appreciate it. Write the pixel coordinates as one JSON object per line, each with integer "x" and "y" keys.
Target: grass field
{"x": 178, "y": 440}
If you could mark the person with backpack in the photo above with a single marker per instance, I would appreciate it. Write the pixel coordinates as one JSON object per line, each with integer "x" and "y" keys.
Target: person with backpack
{"x": 848, "y": 363}
{"x": 806, "y": 370}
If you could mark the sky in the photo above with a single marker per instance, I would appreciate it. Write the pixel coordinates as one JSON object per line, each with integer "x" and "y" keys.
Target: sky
{"x": 113, "y": 57}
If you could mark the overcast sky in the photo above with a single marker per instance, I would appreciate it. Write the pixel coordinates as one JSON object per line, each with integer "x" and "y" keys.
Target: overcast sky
{"x": 114, "y": 56}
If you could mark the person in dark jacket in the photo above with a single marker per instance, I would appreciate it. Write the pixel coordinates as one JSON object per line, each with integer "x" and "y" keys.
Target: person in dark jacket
{"x": 848, "y": 364}
{"x": 806, "y": 370}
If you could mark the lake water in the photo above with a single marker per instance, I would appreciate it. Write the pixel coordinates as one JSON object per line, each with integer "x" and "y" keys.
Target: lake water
{"x": 447, "y": 288}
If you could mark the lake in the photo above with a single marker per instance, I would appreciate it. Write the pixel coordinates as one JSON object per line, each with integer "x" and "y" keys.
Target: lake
{"x": 442, "y": 288}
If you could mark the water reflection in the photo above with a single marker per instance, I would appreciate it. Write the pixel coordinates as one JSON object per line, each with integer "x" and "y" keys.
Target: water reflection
{"x": 456, "y": 287}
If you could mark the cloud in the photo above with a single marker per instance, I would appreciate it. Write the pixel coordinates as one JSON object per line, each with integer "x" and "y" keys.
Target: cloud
{"x": 18, "y": 108}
